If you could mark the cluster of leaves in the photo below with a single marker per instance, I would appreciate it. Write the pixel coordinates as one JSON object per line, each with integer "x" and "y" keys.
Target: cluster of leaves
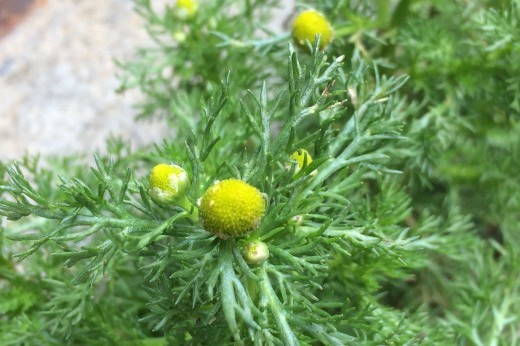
{"x": 463, "y": 155}
{"x": 407, "y": 220}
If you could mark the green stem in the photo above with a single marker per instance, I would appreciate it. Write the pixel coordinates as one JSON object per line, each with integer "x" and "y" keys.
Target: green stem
{"x": 193, "y": 211}
{"x": 383, "y": 13}
{"x": 227, "y": 291}
{"x": 277, "y": 310}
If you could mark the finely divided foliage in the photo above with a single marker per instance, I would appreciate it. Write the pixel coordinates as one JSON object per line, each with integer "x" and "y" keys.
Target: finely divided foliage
{"x": 377, "y": 240}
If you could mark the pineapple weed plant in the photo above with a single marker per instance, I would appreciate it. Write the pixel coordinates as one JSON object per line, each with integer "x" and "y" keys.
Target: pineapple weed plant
{"x": 353, "y": 180}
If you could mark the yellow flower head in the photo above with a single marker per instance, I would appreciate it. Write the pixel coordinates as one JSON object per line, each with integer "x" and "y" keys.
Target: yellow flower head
{"x": 255, "y": 252}
{"x": 168, "y": 183}
{"x": 310, "y": 23}
{"x": 231, "y": 208}
{"x": 186, "y": 8}
{"x": 302, "y": 158}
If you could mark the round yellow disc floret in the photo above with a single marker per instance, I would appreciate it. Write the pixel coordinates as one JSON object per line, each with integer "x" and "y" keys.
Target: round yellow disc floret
{"x": 168, "y": 183}
{"x": 231, "y": 208}
{"x": 186, "y": 8}
{"x": 310, "y": 23}
{"x": 302, "y": 158}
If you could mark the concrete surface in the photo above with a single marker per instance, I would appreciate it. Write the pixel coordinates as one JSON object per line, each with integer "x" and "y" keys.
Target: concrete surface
{"x": 57, "y": 78}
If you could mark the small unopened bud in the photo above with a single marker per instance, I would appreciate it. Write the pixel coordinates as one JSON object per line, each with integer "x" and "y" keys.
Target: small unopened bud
{"x": 296, "y": 220}
{"x": 310, "y": 23}
{"x": 186, "y": 8}
{"x": 255, "y": 252}
{"x": 302, "y": 158}
{"x": 168, "y": 183}
{"x": 179, "y": 36}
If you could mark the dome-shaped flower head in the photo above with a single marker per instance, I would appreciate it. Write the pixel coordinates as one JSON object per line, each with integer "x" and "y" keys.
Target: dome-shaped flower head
{"x": 310, "y": 23}
{"x": 186, "y": 8}
{"x": 231, "y": 208}
{"x": 168, "y": 183}
{"x": 302, "y": 159}
{"x": 255, "y": 252}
